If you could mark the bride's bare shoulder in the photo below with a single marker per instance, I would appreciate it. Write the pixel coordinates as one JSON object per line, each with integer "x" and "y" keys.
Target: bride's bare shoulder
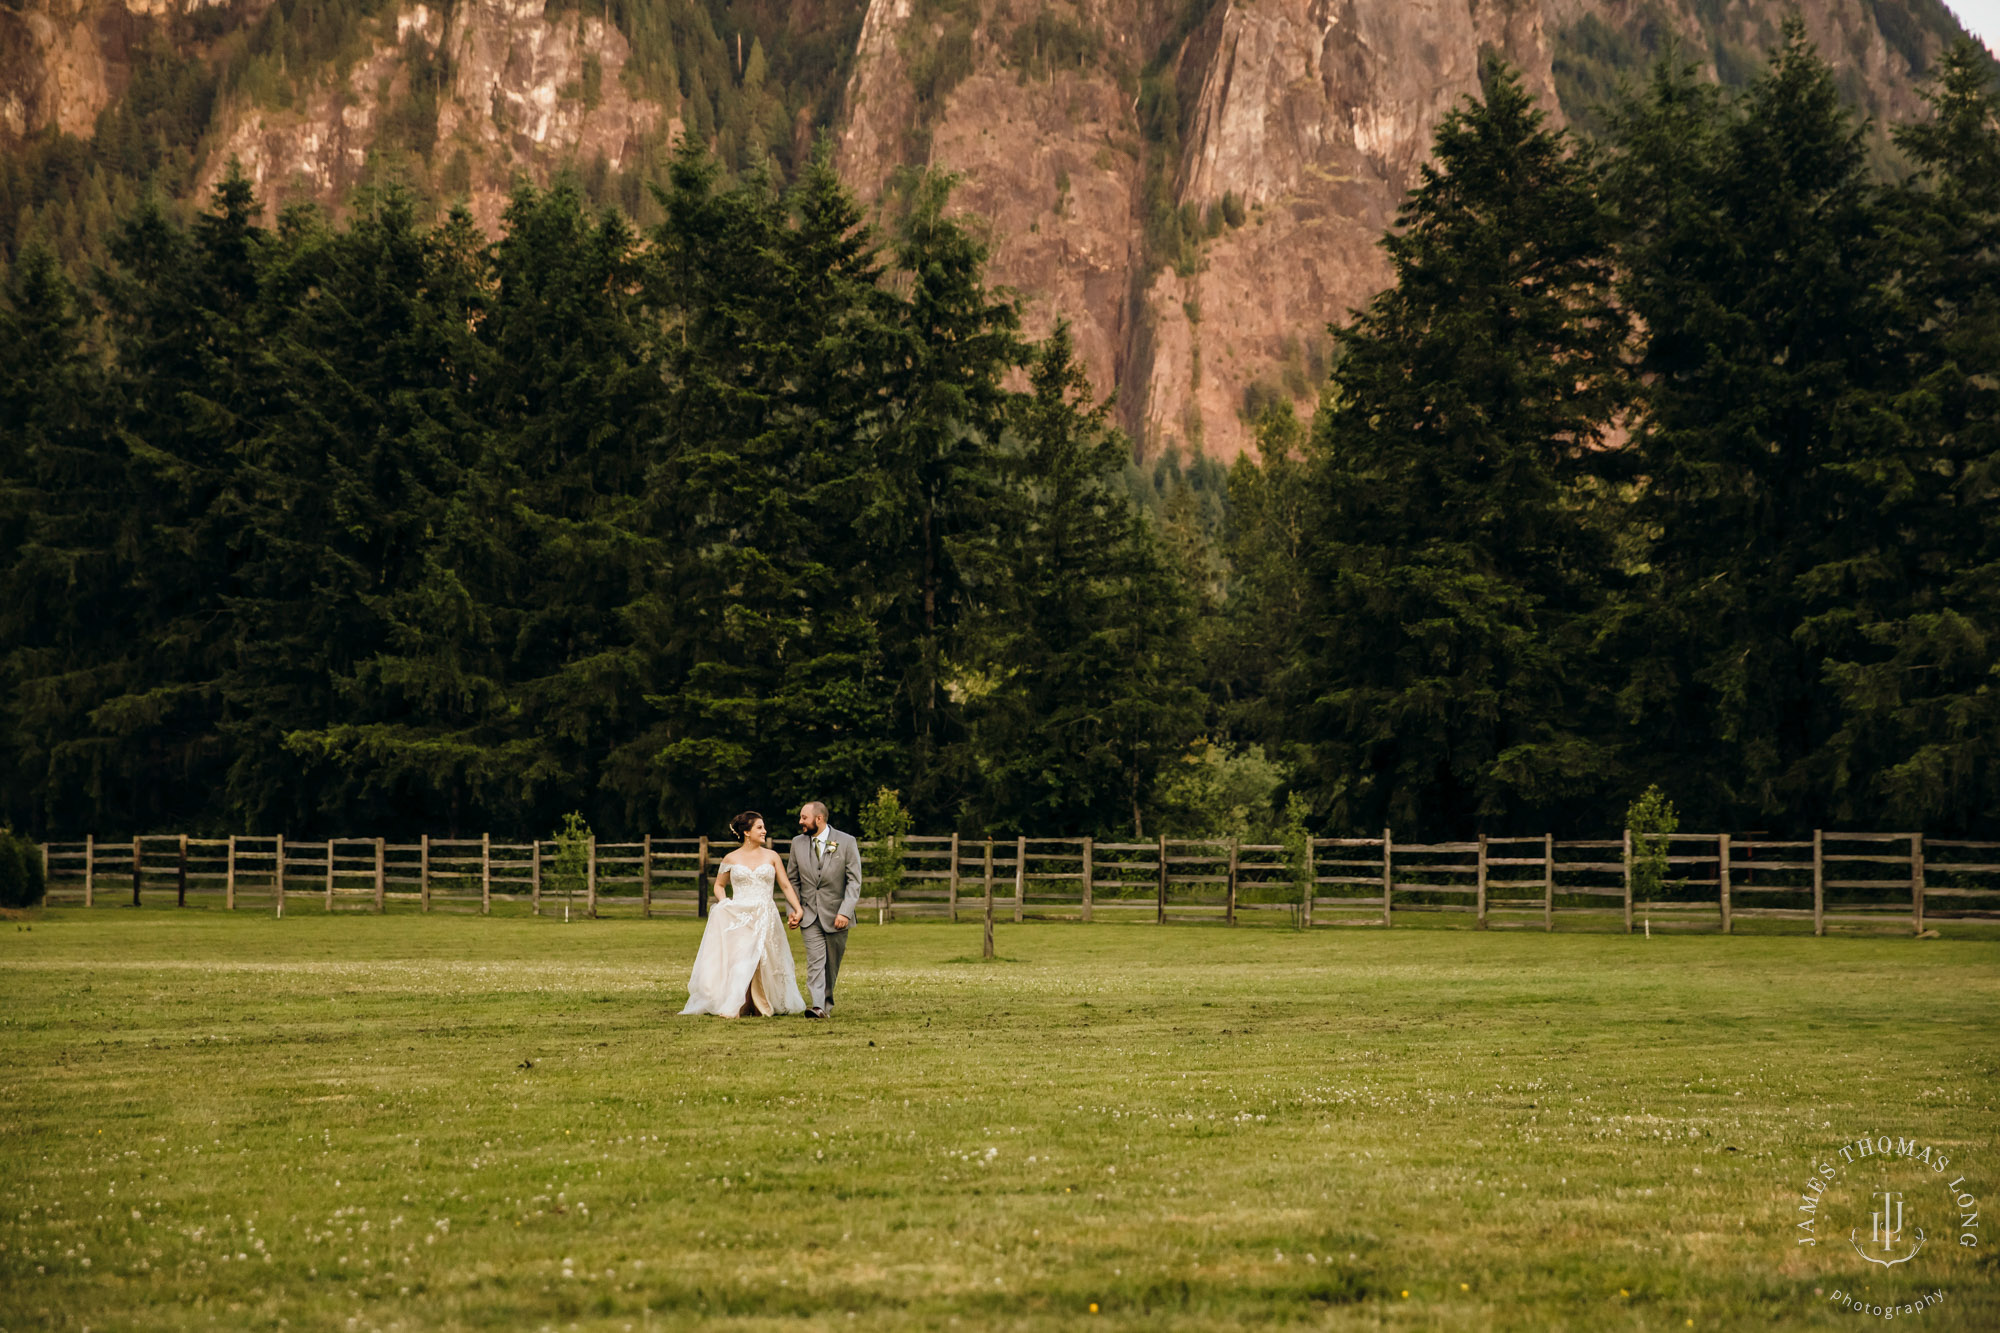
{"x": 748, "y": 859}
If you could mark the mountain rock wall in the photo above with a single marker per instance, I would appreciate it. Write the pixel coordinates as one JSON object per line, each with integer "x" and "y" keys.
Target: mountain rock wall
{"x": 1313, "y": 115}
{"x": 1198, "y": 188}
{"x": 61, "y": 61}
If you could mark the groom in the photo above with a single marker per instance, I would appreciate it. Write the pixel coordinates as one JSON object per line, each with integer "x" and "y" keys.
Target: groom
{"x": 826, "y": 870}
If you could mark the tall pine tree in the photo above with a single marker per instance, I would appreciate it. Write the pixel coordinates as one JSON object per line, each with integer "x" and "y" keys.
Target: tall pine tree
{"x": 186, "y": 313}
{"x": 935, "y": 521}
{"x": 1081, "y": 687}
{"x": 762, "y": 622}
{"x": 69, "y": 524}
{"x": 351, "y": 686}
{"x": 1772, "y": 350}
{"x": 1917, "y": 740}
{"x": 1463, "y": 545}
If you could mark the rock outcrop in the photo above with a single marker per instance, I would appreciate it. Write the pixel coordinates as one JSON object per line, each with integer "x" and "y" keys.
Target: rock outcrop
{"x": 522, "y": 90}
{"x": 59, "y": 63}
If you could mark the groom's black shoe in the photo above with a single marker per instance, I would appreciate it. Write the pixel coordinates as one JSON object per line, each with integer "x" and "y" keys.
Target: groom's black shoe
{"x": 814, "y": 1013}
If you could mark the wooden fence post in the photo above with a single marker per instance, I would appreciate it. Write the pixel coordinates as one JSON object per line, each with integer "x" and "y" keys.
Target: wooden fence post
{"x": 1388, "y": 873}
{"x": 1916, "y": 883}
{"x": 1628, "y": 881}
{"x": 1020, "y": 878}
{"x": 590, "y": 880}
{"x": 329, "y": 874}
{"x": 1161, "y": 918}
{"x": 1311, "y": 887}
{"x": 1548, "y": 881}
{"x": 701, "y": 879}
{"x": 1479, "y": 879}
{"x": 1819, "y": 882}
{"x": 485, "y": 874}
{"x": 424, "y": 871}
{"x": 646, "y": 878}
{"x": 1722, "y": 876}
{"x": 136, "y": 855}
{"x": 535, "y": 879}
{"x": 987, "y": 951}
{"x": 1229, "y": 900}
{"x": 89, "y": 869}
{"x": 1089, "y": 872}
{"x": 279, "y": 883}
{"x": 381, "y": 877}
{"x": 951, "y": 885}
{"x": 228, "y": 877}
{"x": 180, "y": 873}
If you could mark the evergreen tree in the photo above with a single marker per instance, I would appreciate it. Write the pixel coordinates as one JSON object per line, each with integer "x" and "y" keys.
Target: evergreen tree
{"x": 185, "y": 312}
{"x": 933, "y": 524}
{"x": 761, "y": 622}
{"x": 1772, "y": 350}
{"x": 68, "y": 522}
{"x": 1253, "y": 656}
{"x": 1461, "y": 554}
{"x": 346, "y": 497}
{"x": 1082, "y": 689}
{"x": 575, "y": 409}
{"x": 1917, "y": 742}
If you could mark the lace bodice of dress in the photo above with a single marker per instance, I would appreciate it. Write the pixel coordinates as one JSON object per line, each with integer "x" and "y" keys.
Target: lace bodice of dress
{"x": 752, "y": 884}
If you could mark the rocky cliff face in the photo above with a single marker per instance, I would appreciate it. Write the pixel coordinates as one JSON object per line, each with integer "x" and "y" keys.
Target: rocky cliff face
{"x": 517, "y": 89}
{"x": 1198, "y": 186}
{"x": 59, "y": 62}
{"x": 1313, "y": 116}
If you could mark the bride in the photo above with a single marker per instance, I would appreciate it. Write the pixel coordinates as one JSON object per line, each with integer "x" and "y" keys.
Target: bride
{"x": 744, "y": 965}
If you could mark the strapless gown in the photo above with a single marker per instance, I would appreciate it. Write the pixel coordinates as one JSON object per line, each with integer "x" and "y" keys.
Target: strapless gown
{"x": 744, "y": 957}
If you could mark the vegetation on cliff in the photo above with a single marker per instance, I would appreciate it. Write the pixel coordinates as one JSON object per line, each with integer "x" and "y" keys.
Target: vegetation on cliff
{"x": 755, "y": 81}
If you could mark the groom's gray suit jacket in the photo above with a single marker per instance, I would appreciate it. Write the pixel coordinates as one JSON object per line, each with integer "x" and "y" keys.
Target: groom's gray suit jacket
{"x": 828, "y": 885}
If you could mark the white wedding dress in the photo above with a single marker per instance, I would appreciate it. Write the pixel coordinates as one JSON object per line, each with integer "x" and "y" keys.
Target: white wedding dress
{"x": 744, "y": 956}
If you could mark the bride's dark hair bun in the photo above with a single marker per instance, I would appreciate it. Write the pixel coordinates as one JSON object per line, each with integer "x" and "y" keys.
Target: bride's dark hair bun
{"x": 742, "y": 824}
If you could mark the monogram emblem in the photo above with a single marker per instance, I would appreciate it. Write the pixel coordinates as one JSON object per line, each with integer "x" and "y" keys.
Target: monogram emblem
{"x": 1885, "y": 1232}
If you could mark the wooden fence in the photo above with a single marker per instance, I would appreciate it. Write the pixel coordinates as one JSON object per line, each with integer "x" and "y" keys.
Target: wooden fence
{"x": 1900, "y": 879}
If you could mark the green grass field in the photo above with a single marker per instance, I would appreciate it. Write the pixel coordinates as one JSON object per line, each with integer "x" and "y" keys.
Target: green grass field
{"x": 453, "y": 1123}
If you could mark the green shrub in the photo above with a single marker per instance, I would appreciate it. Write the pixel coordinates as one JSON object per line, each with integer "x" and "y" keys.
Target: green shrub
{"x": 1049, "y": 42}
{"x": 1652, "y": 819}
{"x": 885, "y": 823}
{"x": 21, "y": 882}
{"x": 1261, "y": 395}
{"x": 1296, "y": 834}
{"x": 1220, "y": 791}
{"x": 569, "y": 871}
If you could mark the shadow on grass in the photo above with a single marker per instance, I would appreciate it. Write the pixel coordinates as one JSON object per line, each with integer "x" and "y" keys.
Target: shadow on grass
{"x": 1159, "y": 1296}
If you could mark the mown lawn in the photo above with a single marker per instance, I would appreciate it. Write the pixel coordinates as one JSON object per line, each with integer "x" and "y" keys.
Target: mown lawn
{"x": 454, "y": 1123}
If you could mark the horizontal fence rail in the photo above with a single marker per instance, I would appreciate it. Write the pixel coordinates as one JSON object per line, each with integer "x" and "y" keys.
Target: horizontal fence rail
{"x": 1904, "y": 880}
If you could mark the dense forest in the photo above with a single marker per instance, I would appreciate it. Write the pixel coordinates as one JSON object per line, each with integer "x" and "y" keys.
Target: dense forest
{"x": 1671, "y": 457}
